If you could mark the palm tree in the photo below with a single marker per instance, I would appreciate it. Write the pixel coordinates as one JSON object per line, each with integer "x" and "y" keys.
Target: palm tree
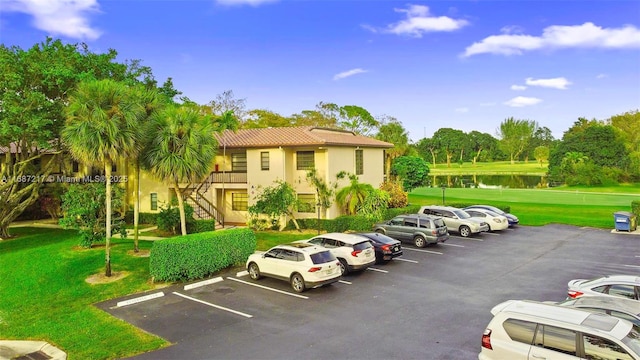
{"x": 101, "y": 126}
{"x": 150, "y": 100}
{"x": 352, "y": 197}
{"x": 181, "y": 149}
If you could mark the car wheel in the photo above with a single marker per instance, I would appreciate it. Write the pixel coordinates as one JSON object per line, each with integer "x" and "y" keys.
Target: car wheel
{"x": 254, "y": 271}
{"x": 465, "y": 231}
{"x": 380, "y": 231}
{"x": 344, "y": 268}
{"x": 419, "y": 241}
{"x": 297, "y": 283}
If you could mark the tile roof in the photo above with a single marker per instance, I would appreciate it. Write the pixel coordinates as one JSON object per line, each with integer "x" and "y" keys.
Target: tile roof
{"x": 295, "y": 136}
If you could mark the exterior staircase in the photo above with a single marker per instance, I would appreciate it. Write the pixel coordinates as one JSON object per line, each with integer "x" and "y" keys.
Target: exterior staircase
{"x": 202, "y": 207}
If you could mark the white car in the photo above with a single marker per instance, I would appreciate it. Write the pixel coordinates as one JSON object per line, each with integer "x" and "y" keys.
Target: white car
{"x": 627, "y": 286}
{"x": 354, "y": 252}
{"x": 527, "y": 330}
{"x": 494, "y": 220}
{"x": 304, "y": 266}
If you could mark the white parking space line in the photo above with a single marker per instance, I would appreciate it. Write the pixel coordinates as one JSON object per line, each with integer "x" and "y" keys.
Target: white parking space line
{"x": 140, "y": 299}
{"x": 213, "y": 305}
{"x": 455, "y": 245}
{"x": 268, "y": 288}
{"x": 405, "y": 260}
{"x": 633, "y": 266}
{"x": 345, "y": 282}
{"x": 378, "y": 270}
{"x": 425, "y": 251}
{"x": 490, "y": 233}
{"x": 203, "y": 283}
{"x": 468, "y": 238}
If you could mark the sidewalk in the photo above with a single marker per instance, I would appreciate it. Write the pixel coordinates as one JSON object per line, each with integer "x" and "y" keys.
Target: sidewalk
{"x": 12, "y": 349}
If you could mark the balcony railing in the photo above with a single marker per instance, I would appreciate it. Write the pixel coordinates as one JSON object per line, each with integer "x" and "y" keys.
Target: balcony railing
{"x": 228, "y": 177}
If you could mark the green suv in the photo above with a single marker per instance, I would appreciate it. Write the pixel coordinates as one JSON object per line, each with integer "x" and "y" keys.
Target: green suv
{"x": 418, "y": 229}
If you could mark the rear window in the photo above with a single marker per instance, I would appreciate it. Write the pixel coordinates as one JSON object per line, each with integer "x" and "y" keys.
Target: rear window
{"x": 363, "y": 245}
{"x": 439, "y": 222}
{"x": 322, "y": 257}
{"x": 520, "y": 330}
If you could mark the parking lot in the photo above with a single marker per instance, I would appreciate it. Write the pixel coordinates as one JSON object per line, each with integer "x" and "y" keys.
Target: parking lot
{"x": 431, "y": 303}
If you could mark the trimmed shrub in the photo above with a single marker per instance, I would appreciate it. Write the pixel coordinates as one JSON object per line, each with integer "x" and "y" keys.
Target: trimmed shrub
{"x": 635, "y": 208}
{"x": 398, "y": 197}
{"x": 144, "y": 218}
{"x": 198, "y": 226}
{"x": 391, "y": 213}
{"x": 197, "y": 256}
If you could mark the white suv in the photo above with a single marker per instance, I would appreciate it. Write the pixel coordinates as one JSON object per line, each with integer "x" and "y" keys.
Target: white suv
{"x": 354, "y": 252}
{"x": 457, "y": 220}
{"x": 302, "y": 265}
{"x": 533, "y": 330}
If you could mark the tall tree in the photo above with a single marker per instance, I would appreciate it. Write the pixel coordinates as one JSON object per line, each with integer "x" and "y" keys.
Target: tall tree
{"x": 102, "y": 125}
{"x": 413, "y": 171}
{"x": 482, "y": 142}
{"x": 515, "y": 135}
{"x": 260, "y": 118}
{"x": 426, "y": 147}
{"x": 36, "y": 84}
{"x": 451, "y": 142}
{"x": 393, "y": 132}
{"x": 228, "y": 102}
{"x": 181, "y": 149}
{"x": 351, "y": 198}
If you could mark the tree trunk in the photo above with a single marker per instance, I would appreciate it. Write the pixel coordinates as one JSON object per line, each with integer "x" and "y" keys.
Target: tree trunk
{"x": 449, "y": 155}
{"x": 183, "y": 221}
{"x": 433, "y": 156}
{"x": 4, "y": 232}
{"x": 136, "y": 204}
{"x": 107, "y": 246}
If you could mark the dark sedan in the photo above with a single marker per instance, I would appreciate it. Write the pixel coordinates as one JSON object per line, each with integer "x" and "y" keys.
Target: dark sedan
{"x": 386, "y": 247}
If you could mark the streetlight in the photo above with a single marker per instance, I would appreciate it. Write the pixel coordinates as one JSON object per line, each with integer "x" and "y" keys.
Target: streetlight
{"x": 443, "y": 189}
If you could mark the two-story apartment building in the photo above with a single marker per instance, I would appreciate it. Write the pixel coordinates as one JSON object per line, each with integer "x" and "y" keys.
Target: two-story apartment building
{"x": 251, "y": 159}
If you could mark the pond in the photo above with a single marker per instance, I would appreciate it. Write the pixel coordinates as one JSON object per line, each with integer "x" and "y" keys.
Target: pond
{"x": 490, "y": 181}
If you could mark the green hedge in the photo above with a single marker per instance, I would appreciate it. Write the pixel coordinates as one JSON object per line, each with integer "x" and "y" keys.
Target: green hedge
{"x": 197, "y": 256}
{"x": 635, "y": 207}
{"x": 198, "y": 226}
{"x": 145, "y": 218}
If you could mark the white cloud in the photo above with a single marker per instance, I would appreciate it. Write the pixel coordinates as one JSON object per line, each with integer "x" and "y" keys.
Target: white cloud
{"x": 602, "y": 76}
{"x": 555, "y": 83}
{"x": 244, "y": 2}
{"x": 586, "y": 35}
{"x": 462, "y": 110}
{"x": 512, "y": 29}
{"x": 348, "y": 73}
{"x": 518, "y": 87}
{"x": 521, "y": 101}
{"x": 418, "y": 21}
{"x": 68, "y": 18}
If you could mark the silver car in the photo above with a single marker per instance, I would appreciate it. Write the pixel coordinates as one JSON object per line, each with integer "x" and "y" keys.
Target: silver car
{"x": 457, "y": 220}
{"x": 627, "y": 286}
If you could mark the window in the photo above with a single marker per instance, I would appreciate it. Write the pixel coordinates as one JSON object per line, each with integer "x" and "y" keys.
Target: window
{"x": 396, "y": 221}
{"x": 239, "y": 162}
{"x": 359, "y": 162}
{"x": 305, "y": 160}
{"x": 556, "y": 339}
{"x": 411, "y": 222}
{"x": 291, "y": 255}
{"x": 264, "y": 160}
{"x": 306, "y": 203}
{"x": 239, "y": 201}
{"x": 154, "y": 201}
{"x": 520, "y": 330}
{"x": 425, "y": 224}
{"x": 384, "y": 162}
{"x": 75, "y": 167}
{"x": 625, "y": 291}
{"x": 596, "y": 348}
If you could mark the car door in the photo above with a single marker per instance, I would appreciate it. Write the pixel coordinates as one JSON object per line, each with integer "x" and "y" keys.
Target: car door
{"x": 552, "y": 342}
{"x": 452, "y": 222}
{"x": 409, "y": 228}
{"x": 270, "y": 261}
{"x": 394, "y": 227}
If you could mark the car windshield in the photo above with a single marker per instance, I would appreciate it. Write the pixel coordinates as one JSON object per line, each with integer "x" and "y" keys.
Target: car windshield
{"x": 461, "y": 214}
{"x": 382, "y": 239}
{"x": 322, "y": 257}
{"x": 363, "y": 245}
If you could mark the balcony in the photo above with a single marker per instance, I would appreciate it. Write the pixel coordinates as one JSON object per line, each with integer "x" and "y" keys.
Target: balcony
{"x": 228, "y": 177}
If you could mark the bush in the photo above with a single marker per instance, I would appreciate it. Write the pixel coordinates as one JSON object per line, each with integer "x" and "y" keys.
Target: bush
{"x": 391, "y": 213}
{"x": 635, "y": 208}
{"x": 144, "y": 218}
{"x": 197, "y": 256}
{"x": 168, "y": 219}
{"x": 198, "y": 226}
{"x": 398, "y": 197}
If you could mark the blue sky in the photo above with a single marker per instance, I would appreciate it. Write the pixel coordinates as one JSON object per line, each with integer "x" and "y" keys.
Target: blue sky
{"x": 467, "y": 65}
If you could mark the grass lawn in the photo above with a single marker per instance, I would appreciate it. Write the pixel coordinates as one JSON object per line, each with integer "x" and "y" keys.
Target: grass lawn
{"x": 571, "y": 206}
{"x": 490, "y": 168}
{"x": 269, "y": 239}
{"x": 45, "y": 296}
